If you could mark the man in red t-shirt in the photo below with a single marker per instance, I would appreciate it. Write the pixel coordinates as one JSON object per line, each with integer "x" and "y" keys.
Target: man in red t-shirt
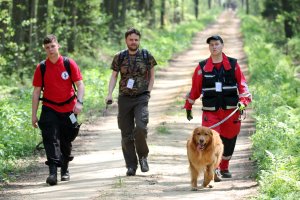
{"x": 222, "y": 86}
{"x": 58, "y": 119}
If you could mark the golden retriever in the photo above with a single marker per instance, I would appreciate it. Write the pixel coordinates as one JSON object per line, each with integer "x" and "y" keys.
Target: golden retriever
{"x": 204, "y": 150}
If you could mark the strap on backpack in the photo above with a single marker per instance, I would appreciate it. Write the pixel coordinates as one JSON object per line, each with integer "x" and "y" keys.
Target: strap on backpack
{"x": 68, "y": 69}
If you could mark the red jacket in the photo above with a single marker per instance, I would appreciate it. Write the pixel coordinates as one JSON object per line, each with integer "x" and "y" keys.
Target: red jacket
{"x": 196, "y": 90}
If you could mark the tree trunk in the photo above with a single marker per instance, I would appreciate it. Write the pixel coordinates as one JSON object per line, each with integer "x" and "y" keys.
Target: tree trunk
{"x": 18, "y": 15}
{"x": 196, "y": 8}
{"x": 162, "y": 13}
{"x": 247, "y": 7}
{"x": 73, "y": 29}
{"x": 4, "y": 7}
{"x": 209, "y": 4}
{"x": 123, "y": 13}
{"x": 42, "y": 16}
{"x": 287, "y": 8}
{"x": 151, "y": 13}
{"x": 30, "y": 38}
{"x": 182, "y": 10}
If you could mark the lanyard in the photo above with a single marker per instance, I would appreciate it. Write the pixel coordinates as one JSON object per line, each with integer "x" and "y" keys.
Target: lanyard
{"x": 219, "y": 73}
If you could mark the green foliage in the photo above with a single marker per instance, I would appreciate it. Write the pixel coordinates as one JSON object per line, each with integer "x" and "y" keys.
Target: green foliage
{"x": 17, "y": 137}
{"x": 95, "y": 76}
{"x": 294, "y": 48}
{"x": 276, "y": 104}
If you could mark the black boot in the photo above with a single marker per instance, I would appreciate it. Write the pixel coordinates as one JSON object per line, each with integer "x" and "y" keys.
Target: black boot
{"x": 64, "y": 172}
{"x": 52, "y": 178}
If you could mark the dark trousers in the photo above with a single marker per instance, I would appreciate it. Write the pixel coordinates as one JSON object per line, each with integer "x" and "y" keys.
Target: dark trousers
{"x": 133, "y": 117}
{"x": 57, "y": 133}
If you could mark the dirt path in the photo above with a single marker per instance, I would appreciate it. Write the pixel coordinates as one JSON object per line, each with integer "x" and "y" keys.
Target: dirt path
{"x": 98, "y": 170}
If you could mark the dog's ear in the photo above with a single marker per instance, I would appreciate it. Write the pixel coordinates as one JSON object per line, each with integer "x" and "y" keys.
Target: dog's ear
{"x": 195, "y": 133}
{"x": 210, "y": 132}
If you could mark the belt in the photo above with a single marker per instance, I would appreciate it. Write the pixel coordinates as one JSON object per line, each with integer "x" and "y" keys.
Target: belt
{"x": 135, "y": 95}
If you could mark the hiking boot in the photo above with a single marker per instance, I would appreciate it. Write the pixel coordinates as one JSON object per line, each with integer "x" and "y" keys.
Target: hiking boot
{"x": 64, "y": 172}
{"x": 226, "y": 174}
{"x": 52, "y": 178}
{"x": 130, "y": 172}
{"x": 144, "y": 164}
{"x": 65, "y": 175}
{"x": 217, "y": 176}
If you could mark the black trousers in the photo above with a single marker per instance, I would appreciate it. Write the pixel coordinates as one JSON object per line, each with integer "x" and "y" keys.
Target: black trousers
{"x": 58, "y": 134}
{"x": 133, "y": 117}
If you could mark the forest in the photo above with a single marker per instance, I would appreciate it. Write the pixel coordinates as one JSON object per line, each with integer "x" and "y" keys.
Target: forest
{"x": 93, "y": 31}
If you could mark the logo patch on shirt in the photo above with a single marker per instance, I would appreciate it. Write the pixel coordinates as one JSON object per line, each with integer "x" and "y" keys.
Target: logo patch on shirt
{"x": 199, "y": 72}
{"x": 65, "y": 75}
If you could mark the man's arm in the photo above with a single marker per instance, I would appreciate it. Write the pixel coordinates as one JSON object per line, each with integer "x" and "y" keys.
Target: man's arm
{"x": 245, "y": 96}
{"x": 80, "y": 93}
{"x": 35, "y": 104}
{"x": 112, "y": 85}
{"x": 196, "y": 89}
{"x": 151, "y": 81}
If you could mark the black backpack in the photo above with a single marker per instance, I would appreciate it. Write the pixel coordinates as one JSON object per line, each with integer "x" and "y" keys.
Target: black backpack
{"x": 68, "y": 69}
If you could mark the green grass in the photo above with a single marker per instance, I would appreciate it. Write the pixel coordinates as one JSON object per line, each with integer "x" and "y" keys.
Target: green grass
{"x": 163, "y": 129}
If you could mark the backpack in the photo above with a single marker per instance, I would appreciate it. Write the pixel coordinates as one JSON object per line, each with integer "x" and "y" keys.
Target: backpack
{"x": 145, "y": 55}
{"x": 68, "y": 69}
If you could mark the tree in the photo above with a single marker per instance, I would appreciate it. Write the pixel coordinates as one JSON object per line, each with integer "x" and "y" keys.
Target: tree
{"x": 42, "y": 15}
{"x": 288, "y": 21}
{"x": 196, "y": 8}
{"x": 18, "y": 16}
{"x": 288, "y": 10}
{"x": 30, "y": 37}
{"x": 162, "y": 13}
{"x": 4, "y": 23}
{"x": 247, "y": 7}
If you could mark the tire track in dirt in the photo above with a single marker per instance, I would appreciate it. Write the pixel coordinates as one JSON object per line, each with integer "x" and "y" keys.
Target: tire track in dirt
{"x": 98, "y": 170}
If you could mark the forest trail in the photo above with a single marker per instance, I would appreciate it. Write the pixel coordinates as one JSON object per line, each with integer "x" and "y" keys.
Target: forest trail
{"x": 98, "y": 170}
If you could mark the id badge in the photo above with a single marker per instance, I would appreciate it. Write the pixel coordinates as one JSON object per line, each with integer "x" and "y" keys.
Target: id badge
{"x": 218, "y": 87}
{"x": 73, "y": 118}
{"x": 130, "y": 83}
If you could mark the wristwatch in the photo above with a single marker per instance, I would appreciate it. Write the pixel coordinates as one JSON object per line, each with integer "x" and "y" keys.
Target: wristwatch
{"x": 81, "y": 102}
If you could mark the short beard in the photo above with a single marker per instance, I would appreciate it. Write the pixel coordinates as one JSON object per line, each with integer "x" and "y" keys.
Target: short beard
{"x": 133, "y": 49}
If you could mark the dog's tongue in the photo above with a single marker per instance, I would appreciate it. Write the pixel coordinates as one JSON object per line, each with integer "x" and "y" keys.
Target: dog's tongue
{"x": 200, "y": 147}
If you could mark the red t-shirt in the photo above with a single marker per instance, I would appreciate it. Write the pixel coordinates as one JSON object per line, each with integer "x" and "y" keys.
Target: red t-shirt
{"x": 57, "y": 83}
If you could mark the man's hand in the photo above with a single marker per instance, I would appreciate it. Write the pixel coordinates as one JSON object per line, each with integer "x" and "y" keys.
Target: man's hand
{"x": 189, "y": 115}
{"x": 34, "y": 121}
{"x": 241, "y": 106}
{"x": 77, "y": 108}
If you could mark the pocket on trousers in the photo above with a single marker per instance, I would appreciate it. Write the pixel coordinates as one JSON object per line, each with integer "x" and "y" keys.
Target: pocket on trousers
{"x": 42, "y": 125}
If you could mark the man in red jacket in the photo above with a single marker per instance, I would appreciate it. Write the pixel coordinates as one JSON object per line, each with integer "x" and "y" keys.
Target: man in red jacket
{"x": 223, "y": 87}
{"x": 58, "y": 119}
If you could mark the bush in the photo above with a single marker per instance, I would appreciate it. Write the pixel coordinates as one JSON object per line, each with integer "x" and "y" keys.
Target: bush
{"x": 276, "y": 104}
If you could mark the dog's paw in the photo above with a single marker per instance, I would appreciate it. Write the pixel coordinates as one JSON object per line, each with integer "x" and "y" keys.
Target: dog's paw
{"x": 194, "y": 189}
{"x": 207, "y": 186}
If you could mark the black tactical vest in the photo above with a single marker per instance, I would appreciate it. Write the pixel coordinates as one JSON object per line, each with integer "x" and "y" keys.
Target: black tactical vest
{"x": 227, "y": 97}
